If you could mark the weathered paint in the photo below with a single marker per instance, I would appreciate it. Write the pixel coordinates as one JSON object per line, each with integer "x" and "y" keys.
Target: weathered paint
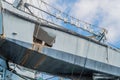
{"x": 69, "y": 50}
{"x": 55, "y": 61}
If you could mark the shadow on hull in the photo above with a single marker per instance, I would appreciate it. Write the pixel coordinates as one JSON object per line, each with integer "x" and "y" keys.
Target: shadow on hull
{"x": 40, "y": 61}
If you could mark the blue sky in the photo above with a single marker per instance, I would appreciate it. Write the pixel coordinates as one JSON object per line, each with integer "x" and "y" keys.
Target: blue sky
{"x": 103, "y": 13}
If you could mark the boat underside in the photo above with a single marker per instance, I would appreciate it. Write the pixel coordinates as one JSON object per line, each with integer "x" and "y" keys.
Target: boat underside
{"x": 49, "y": 60}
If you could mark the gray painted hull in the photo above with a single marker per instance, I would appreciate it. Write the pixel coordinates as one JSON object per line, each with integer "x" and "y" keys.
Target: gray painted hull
{"x": 68, "y": 53}
{"x": 53, "y": 61}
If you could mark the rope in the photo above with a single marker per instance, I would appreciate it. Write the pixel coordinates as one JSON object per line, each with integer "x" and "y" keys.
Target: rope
{"x": 85, "y": 60}
{"x": 107, "y": 54}
{"x": 74, "y": 59}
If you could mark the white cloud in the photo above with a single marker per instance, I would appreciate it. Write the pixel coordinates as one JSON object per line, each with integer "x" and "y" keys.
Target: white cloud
{"x": 85, "y": 9}
{"x": 89, "y": 10}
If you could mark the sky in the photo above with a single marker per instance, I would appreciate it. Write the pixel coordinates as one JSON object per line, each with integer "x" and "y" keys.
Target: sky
{"x": 102, "y": 13}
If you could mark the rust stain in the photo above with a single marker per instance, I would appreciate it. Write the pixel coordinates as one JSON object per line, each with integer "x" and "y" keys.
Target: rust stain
{"x": 2, "y": 39}
{"x": 33, "y": 46}
{"x": 38, "y": 47}
{"x": 3, "y": 36}
{"x": 27, "y": 54}
{"x": 40, "y": 61}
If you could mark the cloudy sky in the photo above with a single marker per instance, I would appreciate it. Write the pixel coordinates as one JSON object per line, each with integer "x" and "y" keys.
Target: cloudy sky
{"x": 103, "y": 13}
